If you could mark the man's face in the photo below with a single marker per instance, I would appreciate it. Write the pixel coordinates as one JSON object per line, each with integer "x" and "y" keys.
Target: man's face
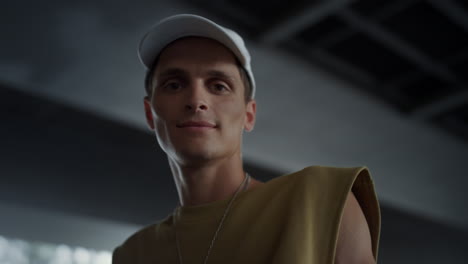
{"x": 197, "y": 107}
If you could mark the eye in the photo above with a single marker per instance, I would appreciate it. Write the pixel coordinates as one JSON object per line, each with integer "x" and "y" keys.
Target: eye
{"x": 172, "y": 86}
{"x": 220, "y": 87}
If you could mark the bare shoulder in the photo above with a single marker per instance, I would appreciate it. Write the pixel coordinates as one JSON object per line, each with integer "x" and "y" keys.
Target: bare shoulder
{"x": 354, "y": 243}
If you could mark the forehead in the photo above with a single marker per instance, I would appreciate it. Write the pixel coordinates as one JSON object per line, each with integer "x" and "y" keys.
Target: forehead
{"x": 196, "y": 52}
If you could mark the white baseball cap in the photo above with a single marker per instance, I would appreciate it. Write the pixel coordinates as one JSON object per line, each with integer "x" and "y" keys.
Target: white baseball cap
{"x": 184, "y": 25}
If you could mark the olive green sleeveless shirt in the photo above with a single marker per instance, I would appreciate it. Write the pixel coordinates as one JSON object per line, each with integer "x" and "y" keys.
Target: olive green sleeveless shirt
{"x": 293, "y": 218}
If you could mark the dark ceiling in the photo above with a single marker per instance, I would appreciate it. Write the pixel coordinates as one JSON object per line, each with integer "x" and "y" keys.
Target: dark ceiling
{"x": 410, "y": 54}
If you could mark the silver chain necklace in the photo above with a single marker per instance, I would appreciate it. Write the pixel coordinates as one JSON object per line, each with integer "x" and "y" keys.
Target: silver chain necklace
{"x": 243, "y": 186}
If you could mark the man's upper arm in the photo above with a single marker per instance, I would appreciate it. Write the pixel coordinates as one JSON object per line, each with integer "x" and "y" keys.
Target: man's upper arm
{"x": 115, "y": 256}
{"x": 354, "y": 243}
{"x": 118, "y": 256}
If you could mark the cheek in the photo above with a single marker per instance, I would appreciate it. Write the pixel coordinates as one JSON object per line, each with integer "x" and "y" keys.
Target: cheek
{"x": 158, "y": 106}
{"x": 161, "y": 119}
{"x": 161, "y": 127}
{"x": 235, "y": 116}
{"x": 163, "y": 134}
{"x": 162, "y": 109}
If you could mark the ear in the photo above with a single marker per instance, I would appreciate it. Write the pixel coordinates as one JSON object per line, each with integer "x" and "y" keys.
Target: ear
{"x": 148, "y": 112}
{"x": 250, "y": 113}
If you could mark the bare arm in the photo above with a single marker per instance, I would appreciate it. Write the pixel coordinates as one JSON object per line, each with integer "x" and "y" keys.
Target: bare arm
{"x": 354, "y": 241}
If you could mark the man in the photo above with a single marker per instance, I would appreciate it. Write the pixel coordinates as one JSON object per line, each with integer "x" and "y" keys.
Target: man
{"x": 200, "y": 98}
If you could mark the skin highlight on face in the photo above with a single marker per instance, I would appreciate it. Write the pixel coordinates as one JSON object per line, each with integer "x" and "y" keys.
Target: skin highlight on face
{"x": 243, "y": 73}
{"x": 197, "y": 108}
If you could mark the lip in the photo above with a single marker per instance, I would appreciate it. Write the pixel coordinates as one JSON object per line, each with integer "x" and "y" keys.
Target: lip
{"x": 196, "y": 124}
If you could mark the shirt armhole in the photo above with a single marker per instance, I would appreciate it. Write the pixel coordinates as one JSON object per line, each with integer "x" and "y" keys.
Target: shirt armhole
{"x": 364, "y": 191}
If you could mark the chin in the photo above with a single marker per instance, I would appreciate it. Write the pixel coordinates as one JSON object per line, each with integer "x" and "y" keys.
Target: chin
{"x": 194, "y": 154}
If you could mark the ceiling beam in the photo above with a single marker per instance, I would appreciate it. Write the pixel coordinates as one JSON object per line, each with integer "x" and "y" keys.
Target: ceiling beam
{"x": 414, "y": 55}
{"x": 228, "y": 8}
{"x": 441, "y": 106}
{"x": 456, "y": 125}
{"x": 401, "y": 47}
{"x": 341, "y": 66}
{"x": 453, "y": 10}
{"x": 389, "y": 9}
{"x": 307, "y": 17}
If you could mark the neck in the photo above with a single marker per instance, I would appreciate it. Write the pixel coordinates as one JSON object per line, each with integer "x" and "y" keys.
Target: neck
{"x": 209, "y": 182}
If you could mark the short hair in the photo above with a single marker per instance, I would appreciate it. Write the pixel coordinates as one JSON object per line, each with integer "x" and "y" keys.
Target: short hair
{"x": 243, "y": 74}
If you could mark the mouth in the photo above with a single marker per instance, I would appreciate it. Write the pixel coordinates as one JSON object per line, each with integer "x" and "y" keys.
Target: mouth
{"x": 196, "y": 125}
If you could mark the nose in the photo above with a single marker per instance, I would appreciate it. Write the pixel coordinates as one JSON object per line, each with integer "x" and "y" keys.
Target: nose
{"x": 197, "y": 98}
{"x": 196, "y": 107}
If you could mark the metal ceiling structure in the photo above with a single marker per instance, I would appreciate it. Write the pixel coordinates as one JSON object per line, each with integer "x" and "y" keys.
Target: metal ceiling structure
{"x": 410, "y": 54}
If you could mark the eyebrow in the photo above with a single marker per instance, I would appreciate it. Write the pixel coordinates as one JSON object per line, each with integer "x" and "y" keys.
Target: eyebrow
{"x": 172, "y": 72}
{"x": 180, "y": 72}
{"x": 220, "y": 74}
